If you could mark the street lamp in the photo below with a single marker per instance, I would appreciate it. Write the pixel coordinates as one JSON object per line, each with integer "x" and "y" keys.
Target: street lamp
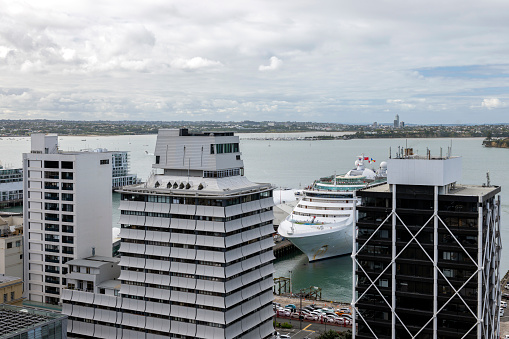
{"x": 290, "y": 282}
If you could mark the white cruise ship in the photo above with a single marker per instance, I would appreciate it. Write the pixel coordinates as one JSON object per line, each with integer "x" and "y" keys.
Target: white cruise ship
{"x": 321, "y": 223}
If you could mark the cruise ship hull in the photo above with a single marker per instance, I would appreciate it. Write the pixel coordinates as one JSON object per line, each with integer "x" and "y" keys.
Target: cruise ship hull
{"x": 328, "y": 242}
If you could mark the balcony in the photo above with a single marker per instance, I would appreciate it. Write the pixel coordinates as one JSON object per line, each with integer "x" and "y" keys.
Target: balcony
{"x": 67, "y": 186}
{"x": 51, "y": 237}
{"x": 51, "y": 217}
{"x": 52, "y": 248}
{"x": 68, "y": 240}
{"x": 67, "y": 250}
{"x": 53, "y": 290}
{"x": 51, "y": 196}
{"x": 52, "y": 258}
{"x": 67, "y": 218}
{"x": 67, "y": 208}
{"x": 51, "y": 185}
{"x": 51, "y": 227}
{"x": 51, "y": 175}
{"x": 67, "y": 229}
{"x": 67, "y": 197}
{"x": 52, "y": 269}
{"x": 52, "y": 280}
{"x": 67, "y": 175}
{"x": 51, "y": 206}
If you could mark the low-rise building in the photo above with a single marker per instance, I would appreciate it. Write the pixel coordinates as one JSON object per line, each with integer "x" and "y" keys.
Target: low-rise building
{"x": 11, "y": 290}
{"x": 25, "y": 322}
{"x": 11, "y": 244}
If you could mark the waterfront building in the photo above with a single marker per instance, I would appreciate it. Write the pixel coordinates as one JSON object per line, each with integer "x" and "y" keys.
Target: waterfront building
{"x": 11, "y": 244}
{"x": 11, "y": 186}
{"x": 196, "y": 251}
{"x": 25, "y": 322}
{"x": 66, "y": 211}
{"x": 11, "y": 290}
{"x": 427, "y": 256}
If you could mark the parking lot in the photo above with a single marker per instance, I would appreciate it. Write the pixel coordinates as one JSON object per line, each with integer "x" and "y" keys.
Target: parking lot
{"x": 306, "y": 329}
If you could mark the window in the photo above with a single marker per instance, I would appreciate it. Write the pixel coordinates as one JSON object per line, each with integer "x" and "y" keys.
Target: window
{"x": 9, "y": 245}
{"x": 12, "y": 295}
{"x": 158, "y": 158}
{"x": 67, "y": 164}
{"x": 18, "y": 243}
{"x": 5, "y": 298}
{"x": 105, "y": 162}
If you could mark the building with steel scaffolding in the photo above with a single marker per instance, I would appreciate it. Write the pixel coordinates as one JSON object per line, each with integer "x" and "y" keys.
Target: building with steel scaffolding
{"x": 427, "y": 254}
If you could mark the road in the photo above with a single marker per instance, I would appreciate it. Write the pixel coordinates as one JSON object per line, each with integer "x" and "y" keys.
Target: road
{"x": 309, "y": 329}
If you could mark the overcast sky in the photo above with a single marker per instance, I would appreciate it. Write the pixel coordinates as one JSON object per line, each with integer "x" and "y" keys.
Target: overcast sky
{"x": 285, "y": 60}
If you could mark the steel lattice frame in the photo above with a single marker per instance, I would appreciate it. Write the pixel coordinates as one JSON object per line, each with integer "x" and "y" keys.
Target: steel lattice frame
{"x": 486, "y": 315}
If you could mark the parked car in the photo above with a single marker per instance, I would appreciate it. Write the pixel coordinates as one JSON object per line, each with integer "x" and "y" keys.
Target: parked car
{"x": 501, "y": 311}
{"x": 311, "y": 317}
{"x": 292, "y": 306}
{"x": 507, "y": 286}
{"x": 284, "y": 336}
{"x": 503, "y": 304}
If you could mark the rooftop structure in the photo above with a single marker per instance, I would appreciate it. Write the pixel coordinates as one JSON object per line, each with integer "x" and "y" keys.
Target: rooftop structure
{"x": 25, "y": 322}
{"x": 428, "y": 254}
{"x": 196, "y": 250}
{"x": 67, "y": 213}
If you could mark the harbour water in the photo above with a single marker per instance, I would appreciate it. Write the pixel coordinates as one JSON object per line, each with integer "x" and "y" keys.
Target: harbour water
{"x": 297, "y": 163}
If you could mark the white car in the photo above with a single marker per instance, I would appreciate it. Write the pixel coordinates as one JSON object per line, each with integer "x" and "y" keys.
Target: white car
{"x": 501, "y": 311}
{"x": 507, "y": 286}
{"x": 503, "y": 304}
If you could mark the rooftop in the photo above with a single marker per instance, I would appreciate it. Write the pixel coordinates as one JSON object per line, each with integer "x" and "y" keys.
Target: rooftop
{"x": 459, "y": 190}
{"x": 213, "y": 186}
{"x": 95, "y": 261}
{"x": 7, "y": 279}
{"x": 15, "y": 319}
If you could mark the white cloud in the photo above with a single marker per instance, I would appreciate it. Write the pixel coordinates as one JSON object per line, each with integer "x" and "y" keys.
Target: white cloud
{"x": 159, "y": 60}
{"x": 275, "y": 63}
{"x": 194, "y": 63}
{"x": 491, "y": 103}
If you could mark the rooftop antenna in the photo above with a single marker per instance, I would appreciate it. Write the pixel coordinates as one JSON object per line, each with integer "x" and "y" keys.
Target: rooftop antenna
{"x": 440, "y": 152}
{"x": 390, "y": 153}
{"x": 488, "y": 178}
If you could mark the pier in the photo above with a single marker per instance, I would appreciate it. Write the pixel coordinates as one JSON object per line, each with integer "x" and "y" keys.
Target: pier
{"x": 283, "y": 248}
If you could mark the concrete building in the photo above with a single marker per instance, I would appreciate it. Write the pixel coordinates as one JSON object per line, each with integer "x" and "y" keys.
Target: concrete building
{"x": 427, "y": 256}
{"x": 11, "y": 244}
{"x": 396, "y": 121}
{"x": 11, "y": 290}
{"x": 25, "y": 322}
{"x": 11, "y": 186}
{"x": 67, "y": 213}
{"x": 196, "y": 252}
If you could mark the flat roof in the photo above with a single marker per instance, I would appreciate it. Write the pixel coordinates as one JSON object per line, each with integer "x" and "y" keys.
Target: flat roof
{"x": 14, "y": 319}
{"x": 95, "y": 261}
{"x": 6, "y": 278}
{"x": 111, "y": 284}
{"x": 459, "y": 190}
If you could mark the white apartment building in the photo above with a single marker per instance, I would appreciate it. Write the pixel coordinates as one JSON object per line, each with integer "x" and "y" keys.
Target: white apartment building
{"x": 66, "y": 211}
{"x": 196, "y": 252}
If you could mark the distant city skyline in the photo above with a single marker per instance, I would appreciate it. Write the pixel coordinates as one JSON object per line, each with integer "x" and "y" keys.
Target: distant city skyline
{"x": 352, "y": 63}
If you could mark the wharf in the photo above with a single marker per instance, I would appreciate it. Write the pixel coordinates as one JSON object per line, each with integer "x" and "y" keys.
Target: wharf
{"x": 283, "y": 248}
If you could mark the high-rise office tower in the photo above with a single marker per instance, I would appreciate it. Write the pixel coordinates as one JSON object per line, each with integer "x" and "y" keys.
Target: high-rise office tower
{"x": 427, "y": 254}
{"x": 66, "y": 213}
{"x": 196, "y": 251}
{"x": 396, "y": 121}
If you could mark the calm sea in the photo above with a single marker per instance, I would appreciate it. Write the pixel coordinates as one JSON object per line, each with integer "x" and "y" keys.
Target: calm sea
{"x": 297, "y": 164}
